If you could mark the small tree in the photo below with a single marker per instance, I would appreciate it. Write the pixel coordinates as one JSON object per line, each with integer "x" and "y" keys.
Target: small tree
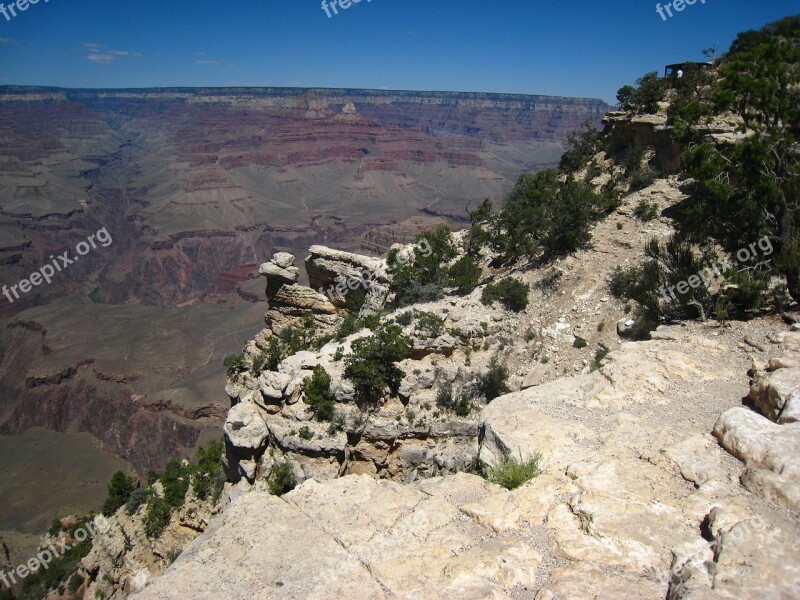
{"x": 512, "y": 293}
{"x": 494, "y": 382}
{"x": 234, "y": 363}
{"x": 207, "y": 469}
{"x": 318, "y": 394}
{"x": 422, "y": 279}
{"x": 464, "y": 275}
{"x": 281, "y": 479}
{"x": 643, "y": 98}
{"x": 372, "y": 365}
{"x": 477, "y": 236}
{"x": 119, "y": 489}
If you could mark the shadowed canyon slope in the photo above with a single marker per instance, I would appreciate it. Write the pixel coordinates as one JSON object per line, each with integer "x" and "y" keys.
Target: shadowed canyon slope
{"x": 196, "y": 187}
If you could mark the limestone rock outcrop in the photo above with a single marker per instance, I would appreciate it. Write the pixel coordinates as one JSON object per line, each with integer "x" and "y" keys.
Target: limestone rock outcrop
{"x": 637, "y": 500}
{"x": 336, "y": 273}
{"x": 289, "y": 301}
{"x": 768, "y": 441}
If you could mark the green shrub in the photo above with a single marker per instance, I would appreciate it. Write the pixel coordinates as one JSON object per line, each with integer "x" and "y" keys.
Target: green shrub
{"x": 297, "y": 338}
{"x": 157, "y": 516}
{"x": 174, "y": 481}
{"x": 429, "y": 324}
{"x": 119, "y": 489}
{"x": 75, "y": 582}
{"x": 579, "y": 342}
{"x": 422, "y": 278}
{"x": 581, "y": 147}
{"x": 444, "y": 395}
{"x": 512, "y": 293}
{"x": 667, "y": 266}
{"x": 234, "y": 363}
{"x": 599, "y": 355}
{"x": 405, "y": 318}
{"x": 305, "y": 433}
{"x": 207, "y": 470}
{"x": 55, "y": 527}
{"x": 645, "y": 211}
{"x": 138, "y": 497}
{"x": 274, "y": 354}
{"x": 281, "y": 479}
{"x": 638, "y": 173}
{"x": 318, "y": 394}
{"x": 518, "y": 228}
{"x": 463, "y": 407}
{"x": 339, "y": 354}
{"x": 644, "y": 98}
{"x": 464, "y": 275}
{"x": 372, "y": 365}
{"x": 259, "y": 362}
{"x": 494, "y": 382}
{"x": 36, "y": 585}
{"x": 477, "y": 235}
{"x": 512, "y": 473}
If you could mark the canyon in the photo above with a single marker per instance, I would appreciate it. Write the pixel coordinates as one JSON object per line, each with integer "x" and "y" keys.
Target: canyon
{"x": 197, "y": 187}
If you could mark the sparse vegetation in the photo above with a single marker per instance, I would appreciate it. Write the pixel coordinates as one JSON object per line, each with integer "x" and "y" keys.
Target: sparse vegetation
{"x": 599, "y": 355}
{"x": 494, "y": 382}
{"x": 645, "y": 96}
{"x": 318, "y": 394}
{"x": 281, "y": 479}
{"x": 429, "y": 324}
{"x": 207, "y": 472}
{"x": 512, "y": 293}
{"x": 60, "y": 573}
{"x": 372, "y": 366}
{"x": 405, "y": 318}
{"x": 511, "y": 473}
{"x": 119, "y": 489}
{"x": 740, "y": 193}
{"x": 234, "y": 363}
{"x": 138, "y": 497}
{"x": 645, "y": 211}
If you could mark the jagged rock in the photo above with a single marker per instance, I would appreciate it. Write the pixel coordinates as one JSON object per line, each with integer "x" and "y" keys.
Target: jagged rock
{"x": 284, "y": 260}
{"x": 303, "y": 298}
{"x": 762, "y": 444}
{"x": 245, "y": 427}
{"x": 287, "y": 436}
{"x": 422, "y": 347}
{"x": 343, "y": 391}
{"x": 776, "y": 394}
{"x": 408, "y": 385}
{"x": 123, "y": 559}
{"x": 289, "y": 275}
{"x": 624, "y": 326}
{"x": 272, "y": 385}
{"x": 535, "y": 376}
{"x": 233, "y": 389}
{"x": 337, "y": 273}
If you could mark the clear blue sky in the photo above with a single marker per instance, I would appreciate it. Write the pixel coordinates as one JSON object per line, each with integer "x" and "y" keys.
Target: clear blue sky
{"x": 561, "y": 47}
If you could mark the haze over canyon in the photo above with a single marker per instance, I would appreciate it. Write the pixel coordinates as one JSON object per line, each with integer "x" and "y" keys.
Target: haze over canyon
{"x": 197, "y": 187}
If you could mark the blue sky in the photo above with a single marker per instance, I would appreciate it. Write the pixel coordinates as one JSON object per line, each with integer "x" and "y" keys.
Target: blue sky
{"x": 561, "y": 47}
